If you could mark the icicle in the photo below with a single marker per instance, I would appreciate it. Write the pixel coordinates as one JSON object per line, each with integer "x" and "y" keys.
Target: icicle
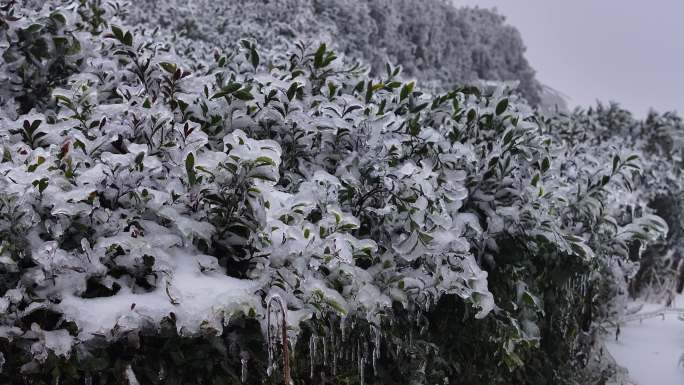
{"x": 276, "y": 335}
{"x": 364, "y": 356}
{"x": 334, "y": 364}
{"x": 270, "y": 343}
{"x": 378, "y": 339}
{"x": 335, "y": 350}
{"x": 359, "y": 358}
{"x": 361, "y": 373}
{"x": 315, "y": 343}
{"x": 352, "y": 353}
{"x": 423, "y": 330}
{"x": 271, "y": 338}
{"x": 243, "y": 368}
{"x": 311, "y": 357}
{"x": 130, "y": 376}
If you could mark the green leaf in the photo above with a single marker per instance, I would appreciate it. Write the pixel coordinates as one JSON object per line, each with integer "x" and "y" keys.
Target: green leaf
{"x": 168, "y": 67}
{"x": 34, "y": 28}
{"x": 264, "y": 161}
{"x": 535, "y": 180}
{"x": 292, "y": 90}
{"x": 508, "y": 137}
{"x": 348, "y": 227}
{"x": 546, "y": 164}
{"x": 139, "y": 159}
{"x": 578, "y": 250}
{"x": 243, "y": 94}
{"x": 254, "y": 57}
{"x": 227, "y": 90}
{"x": 35, "y": 124}
{"x": 369, "y": 91}
{"x": 42, "y": 184}
{"x": 502, "y": 106}
{"x": 532, "y": 300}
{"x": 6, "y": 155}
{"x": 59, "y": 17}
{"x": 128, "y": 39}
{"x": 406, "y": 90}
{"x": 190, "y": 169}
{"x": 472, "y": 114}
{"x": 332, "y": 88}
{"x": 605, "y": 180}
{"x": 318, "y": 56}
{"x": 118, "y": 33}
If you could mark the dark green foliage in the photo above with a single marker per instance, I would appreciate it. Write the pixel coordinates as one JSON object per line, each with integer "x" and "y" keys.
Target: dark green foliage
{"x": 39, "y": 58}
{"x": 156, "y": 357}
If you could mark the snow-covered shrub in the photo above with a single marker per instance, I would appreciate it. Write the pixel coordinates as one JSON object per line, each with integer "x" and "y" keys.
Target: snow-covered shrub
{"x": 159, "y": 204}
{"x": 658, "y": 189}
{"x": 434, "y": 40}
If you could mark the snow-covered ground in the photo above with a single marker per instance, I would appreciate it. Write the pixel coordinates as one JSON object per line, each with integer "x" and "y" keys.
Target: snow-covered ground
{"x": 650, "y": 348}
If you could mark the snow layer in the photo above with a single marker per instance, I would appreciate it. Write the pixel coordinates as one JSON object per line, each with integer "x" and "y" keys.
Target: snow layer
{"x": 197, "y": 300}
{"x": 650, "y": 349}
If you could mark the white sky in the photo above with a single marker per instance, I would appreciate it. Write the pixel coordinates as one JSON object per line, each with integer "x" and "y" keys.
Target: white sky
{"x": 629, "y": 51}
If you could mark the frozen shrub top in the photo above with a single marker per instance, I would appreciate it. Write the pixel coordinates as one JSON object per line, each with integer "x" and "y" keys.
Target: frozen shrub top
{"x": 438, "y": 43}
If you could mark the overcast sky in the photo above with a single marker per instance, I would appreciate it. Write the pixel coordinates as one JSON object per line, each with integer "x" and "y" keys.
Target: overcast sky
{"x": 629, "y": 51}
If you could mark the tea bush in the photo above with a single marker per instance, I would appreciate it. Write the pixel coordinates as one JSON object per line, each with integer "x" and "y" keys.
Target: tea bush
{"x": 173, "y": 215}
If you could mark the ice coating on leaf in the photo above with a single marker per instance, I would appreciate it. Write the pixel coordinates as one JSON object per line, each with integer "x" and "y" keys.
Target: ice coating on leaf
{"x": 58, "y": 341}
{"x": 188, "y": 227}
